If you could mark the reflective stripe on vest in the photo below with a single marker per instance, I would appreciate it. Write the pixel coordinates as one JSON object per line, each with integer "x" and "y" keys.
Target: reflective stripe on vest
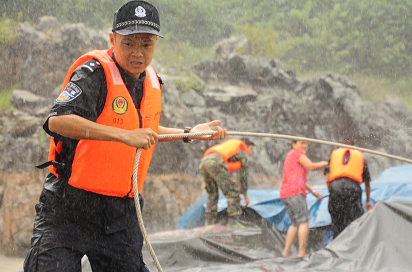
{"x": 353, "y": 169}
{"x": 106, "y": 167}
{"x": 228, "y": 149}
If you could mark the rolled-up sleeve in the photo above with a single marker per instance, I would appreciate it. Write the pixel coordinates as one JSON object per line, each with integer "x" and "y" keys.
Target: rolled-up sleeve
{"x": 243, "y": 172}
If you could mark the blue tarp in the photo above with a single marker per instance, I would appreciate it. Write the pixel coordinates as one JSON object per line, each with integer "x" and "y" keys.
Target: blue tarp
{"x": 394, "y": 184}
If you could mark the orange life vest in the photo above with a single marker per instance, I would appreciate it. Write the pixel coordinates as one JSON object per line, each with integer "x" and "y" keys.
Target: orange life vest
{"x": 226, "y": 150}
{"x": 353, "y": 169}
{"x": 106, "y": 167}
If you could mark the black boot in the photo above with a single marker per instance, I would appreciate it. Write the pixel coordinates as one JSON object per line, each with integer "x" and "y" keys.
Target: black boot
{"x": 234, "y": 223}
{"x": 211, "y": 221}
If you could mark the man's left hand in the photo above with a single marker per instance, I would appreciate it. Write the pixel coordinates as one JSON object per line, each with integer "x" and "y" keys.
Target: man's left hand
{"x": 368, "y": 206}
{"x": 219, "y": 134}
{"x": 247, "y": 201}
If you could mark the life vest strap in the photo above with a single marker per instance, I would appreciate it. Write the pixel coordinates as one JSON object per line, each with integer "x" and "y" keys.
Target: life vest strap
{"x": 56, "y": 164}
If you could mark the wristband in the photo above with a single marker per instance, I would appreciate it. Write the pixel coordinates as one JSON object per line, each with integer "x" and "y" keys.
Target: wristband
{"x": 186, "y": 139}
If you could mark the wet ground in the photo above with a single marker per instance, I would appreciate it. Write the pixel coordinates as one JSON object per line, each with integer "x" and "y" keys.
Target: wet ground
{"x": 11, "y": 264}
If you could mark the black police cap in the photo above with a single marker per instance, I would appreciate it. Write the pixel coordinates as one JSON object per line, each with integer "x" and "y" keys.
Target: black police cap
{"x": 137, "y": 17}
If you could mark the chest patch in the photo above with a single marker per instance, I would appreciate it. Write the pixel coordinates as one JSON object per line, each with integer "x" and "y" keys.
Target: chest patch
{"x": 119, "y": 105}
{"x": 71, "y": 92}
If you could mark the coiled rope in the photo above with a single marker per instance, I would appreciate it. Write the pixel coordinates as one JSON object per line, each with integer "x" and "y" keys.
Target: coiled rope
{"x": 250, "y": 134}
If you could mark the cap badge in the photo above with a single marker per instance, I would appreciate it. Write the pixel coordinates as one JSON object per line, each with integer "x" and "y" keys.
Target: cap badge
{"x": 140, "y": 12}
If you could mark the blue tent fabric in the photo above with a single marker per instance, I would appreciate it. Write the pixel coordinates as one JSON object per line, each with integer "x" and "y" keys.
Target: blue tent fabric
{"x": 394, "y": 184}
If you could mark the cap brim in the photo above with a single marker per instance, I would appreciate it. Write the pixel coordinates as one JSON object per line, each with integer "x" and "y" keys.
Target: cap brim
{"x": 138, "y": 29}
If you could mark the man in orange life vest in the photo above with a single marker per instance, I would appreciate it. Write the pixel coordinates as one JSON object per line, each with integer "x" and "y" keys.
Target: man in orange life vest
{"x": 346, "y": 171}
{"x": 110, "y": 105}
{"x": 216, "y": 167}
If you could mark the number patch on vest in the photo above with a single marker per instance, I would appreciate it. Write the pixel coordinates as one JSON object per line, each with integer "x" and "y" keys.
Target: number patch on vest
{"x": 71, "y": 92}
{"x": 119, "y": 105}
{"x": 118, "y": 121}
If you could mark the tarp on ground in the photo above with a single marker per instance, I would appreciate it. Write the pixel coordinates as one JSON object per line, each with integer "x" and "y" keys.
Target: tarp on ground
{"x": 218, "y": 244}
{"x": 394, "y": 184}
{"x": 379, "y": 241}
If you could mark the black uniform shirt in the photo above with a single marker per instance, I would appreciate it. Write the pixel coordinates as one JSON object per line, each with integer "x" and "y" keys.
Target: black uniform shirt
{"x": 88, "y": 89}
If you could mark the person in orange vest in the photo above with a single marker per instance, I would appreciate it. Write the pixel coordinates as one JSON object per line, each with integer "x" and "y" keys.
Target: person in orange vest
{"x": 109, "y": 106}
{"x": 217, "y": 166}
{"x": 293, "y": 195}
{"x": 345, "y": 173}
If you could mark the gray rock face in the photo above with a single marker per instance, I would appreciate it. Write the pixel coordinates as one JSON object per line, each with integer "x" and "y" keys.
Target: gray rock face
{"x": 229, "y": 99}
{"x": 192, "y": 99}
{"x": 49, "y": 25}
{"x": 40, "y": 57}
{"x": 246, "y": 70}
{"x": 22, "y": 141}
{"x": 227, "y": 48}
{"x": 327, "y": 108}
{"x": 28, "y": 101}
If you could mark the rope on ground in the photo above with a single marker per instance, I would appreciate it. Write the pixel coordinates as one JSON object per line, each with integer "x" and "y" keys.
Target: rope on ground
{"x": 235, "y": 133}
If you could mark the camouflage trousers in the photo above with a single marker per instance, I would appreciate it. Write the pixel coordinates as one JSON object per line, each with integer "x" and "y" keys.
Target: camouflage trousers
{"x": 216, "y": 175}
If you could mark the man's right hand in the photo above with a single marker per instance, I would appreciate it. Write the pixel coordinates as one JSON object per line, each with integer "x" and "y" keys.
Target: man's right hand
{"x": 140, "y": 138}
{"x": 323, "y": 163}
{"x": 318, "y": 195}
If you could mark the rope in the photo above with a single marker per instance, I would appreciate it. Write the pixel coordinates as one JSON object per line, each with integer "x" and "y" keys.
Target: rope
{"x": 250, "y": 134}
{"x": 139, "y": 213}
{"x": 288, "y": 137}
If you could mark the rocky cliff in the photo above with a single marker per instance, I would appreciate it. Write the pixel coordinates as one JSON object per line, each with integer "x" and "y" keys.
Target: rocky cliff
{"x": 246, "y": 93}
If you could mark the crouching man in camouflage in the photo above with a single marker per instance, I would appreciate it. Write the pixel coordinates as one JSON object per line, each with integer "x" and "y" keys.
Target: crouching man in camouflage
{"x": 216, "y": 167}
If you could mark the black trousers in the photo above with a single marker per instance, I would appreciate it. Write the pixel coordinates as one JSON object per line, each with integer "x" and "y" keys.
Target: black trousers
{"x": 82, "y": 223}
{"x": 345, "y": 203}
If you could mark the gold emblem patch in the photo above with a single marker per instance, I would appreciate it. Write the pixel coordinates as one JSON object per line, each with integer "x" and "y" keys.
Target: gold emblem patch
{"x": 119, "y": 105}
